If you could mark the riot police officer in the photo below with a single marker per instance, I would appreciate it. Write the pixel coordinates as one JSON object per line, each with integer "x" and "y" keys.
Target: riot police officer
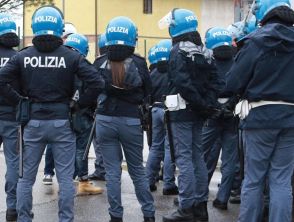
{"x": 224, "y": 126}
{"x": 46, "y": 72}
{"x": 99, "y": 173}
{"x": 49, "y": 173}
{"x": 8, "y": 125}
{"x": 263, "y": 75}
{"x": 159, "y": 149}
{"x": 118, "y": 120}
{"x": 192, "y": 97}
{"x": 82, "y": 122}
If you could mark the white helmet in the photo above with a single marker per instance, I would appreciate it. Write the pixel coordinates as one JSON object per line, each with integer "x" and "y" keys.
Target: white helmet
{"x": 69, "y": 28}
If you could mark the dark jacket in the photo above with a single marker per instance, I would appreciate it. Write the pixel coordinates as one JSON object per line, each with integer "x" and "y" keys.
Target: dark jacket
{"x": 263, "y": 70}
{"x": 7, "y": 108}
{"x": 121, "y": 102}
{"x": 194, "y": 78}
{"x": 159, "y": 85}
{"x": 47, "y": 79}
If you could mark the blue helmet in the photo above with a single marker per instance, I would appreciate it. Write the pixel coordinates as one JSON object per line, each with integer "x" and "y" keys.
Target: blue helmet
{"x": 162, "y": 50}
{"x": 7, "y": 24}
{"x": 236, "y": 29}
{"x": 262, "y": 7}
{"x": 216, "y": 37}
{"x": 250, "y": 26}
{"x": 151, "y": 55}
{"x": 121, "y": 31}
{"x": 48, "y": 20}
{"x": 78, "y": 42}
{"x": 102, "y": 41}
{"x": 182, "y": 21}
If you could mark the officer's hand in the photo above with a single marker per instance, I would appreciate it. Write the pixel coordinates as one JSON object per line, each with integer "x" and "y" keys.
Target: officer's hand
{"x": 74, "y": 106}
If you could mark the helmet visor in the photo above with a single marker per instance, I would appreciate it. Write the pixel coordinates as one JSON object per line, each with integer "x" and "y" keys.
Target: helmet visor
{"x": 165, "y": 21}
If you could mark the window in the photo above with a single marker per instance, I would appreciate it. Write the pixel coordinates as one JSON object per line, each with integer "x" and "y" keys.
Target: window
{"x": 147, "y": 7}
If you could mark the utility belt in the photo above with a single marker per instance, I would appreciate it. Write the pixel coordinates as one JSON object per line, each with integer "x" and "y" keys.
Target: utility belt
{"x": 243, "y": 108}
{"x": 158, "y": 104}
{"x": 175, "y": 103}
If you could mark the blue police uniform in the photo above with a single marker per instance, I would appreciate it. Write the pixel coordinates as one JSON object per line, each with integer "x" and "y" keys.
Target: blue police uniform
{"x": 118, "y": 124}
{"x": 159, "y": 149}
{"x": 46, "y": 73}
{"x": 263, "y": 71}
{"x": 225, "y": 129}
{"x": 8, "y": 132}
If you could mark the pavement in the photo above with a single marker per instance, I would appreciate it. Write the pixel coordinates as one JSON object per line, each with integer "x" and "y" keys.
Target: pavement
{"x": 94, "y": 208}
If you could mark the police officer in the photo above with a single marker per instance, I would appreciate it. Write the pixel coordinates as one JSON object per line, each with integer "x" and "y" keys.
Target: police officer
{"x": 99, "y": 173}
{"x": 49, "y": 173}
{"x": 118, "y": 120}
{"x": 263, "y": 74}
{"x": 82, "y": 121}
{"x": 192, "y": 97}
{"x": 8, "y": 125}
{"x": 159, "y": 149}
{"x": 46, "y": 72}
{"x": 152, "y": 58}
{"x": 224, "y": 126}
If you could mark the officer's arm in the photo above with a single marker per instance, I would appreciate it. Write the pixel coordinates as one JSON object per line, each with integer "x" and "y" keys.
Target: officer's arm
{"x": 94, "y": 82}
{"x": 8, "y": 74}
{"x": 214, "y": 84}
{"x": 242, "y": 70}
{"x": 181, "y": 79}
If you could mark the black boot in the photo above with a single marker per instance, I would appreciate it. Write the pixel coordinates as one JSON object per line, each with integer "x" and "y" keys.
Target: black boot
{"x": 200, "y": 211}
{"x": 171, "y": 191}
{"x": 219, "y": 205}
{"x": 149, "y": 219}
{"x": 115, "y": 219}
{"x": 153, "y": 187}
{"x": 11, "y": 215}
{"x": 181, "y": 215}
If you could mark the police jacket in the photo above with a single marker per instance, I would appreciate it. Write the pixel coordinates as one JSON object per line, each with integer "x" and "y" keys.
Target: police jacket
{"x": 159, "y": 85}
{"x": 7, "y": 107}
{"x": 263, "y": 70}
{"x": 193, "y": 75}
{"x": 47, "y": 79}
{"x": 123, "y": 102}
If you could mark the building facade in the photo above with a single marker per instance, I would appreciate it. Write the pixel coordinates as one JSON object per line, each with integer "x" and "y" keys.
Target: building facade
{"x": 91, "y": 17}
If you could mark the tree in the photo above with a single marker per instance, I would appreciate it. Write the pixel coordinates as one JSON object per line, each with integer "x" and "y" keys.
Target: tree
{"x": 10, "y": 5}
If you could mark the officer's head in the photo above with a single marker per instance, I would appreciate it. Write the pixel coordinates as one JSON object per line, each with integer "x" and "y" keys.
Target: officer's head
{"x": 216, "y": 37}
{"x": 121, "y": 35}
{"x": 236, "y": 31}
{"x": 47, "y": 20}
{"x": 78, "y": 42}
{"x": 162, "y": 50}
{"x": 162, "y": 53}
{"x": 102, "y": 44}
{"x": 8, "y": 36}
{"x": 263, "y": 8}
{"x": 69, "y": 28}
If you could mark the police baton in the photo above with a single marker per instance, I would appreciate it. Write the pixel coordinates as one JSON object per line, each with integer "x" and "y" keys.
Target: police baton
{"x": 241, "y": 152}
{"x": 169, "y": 135}
{"x": 20, "y": 150}
{"x": 90, "y": 139}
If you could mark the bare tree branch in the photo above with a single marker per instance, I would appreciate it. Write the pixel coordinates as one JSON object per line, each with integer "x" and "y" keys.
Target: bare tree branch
{"x": 8, "y": 5}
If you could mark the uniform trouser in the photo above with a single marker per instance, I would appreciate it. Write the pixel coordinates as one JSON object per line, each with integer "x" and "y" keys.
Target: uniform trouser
{"x": 37, "y": 134}
{"x": 211, "y": 153}
{"x": 159, "y": 150}
{"x": 115, "y": 134}
{"x": 81, "y": 166}
{"x": 192, "y": 179}
{"x": 213, "y": 131}
{"x": 99, "y": 164}
{"x": 8, "y": 132}
{"x": 269, "y": 152}
{"x": 49, "y": 161}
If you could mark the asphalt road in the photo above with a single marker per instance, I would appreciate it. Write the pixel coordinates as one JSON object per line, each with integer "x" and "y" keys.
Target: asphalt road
{"x": 94, "y": 208}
